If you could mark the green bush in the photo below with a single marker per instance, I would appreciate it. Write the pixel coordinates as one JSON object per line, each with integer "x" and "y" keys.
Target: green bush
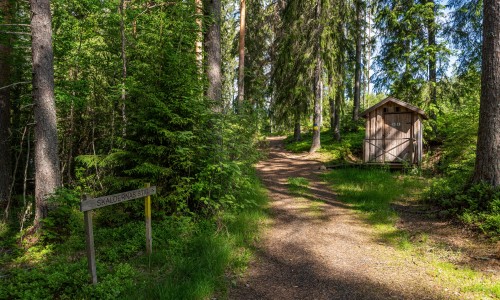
{"x": 477, "y": 204}
{"x": 64, "y": 217}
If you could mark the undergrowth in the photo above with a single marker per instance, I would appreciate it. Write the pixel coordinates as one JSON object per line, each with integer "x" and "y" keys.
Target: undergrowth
{"x": 350, "y": 146}
{"x": 193, "y": 258}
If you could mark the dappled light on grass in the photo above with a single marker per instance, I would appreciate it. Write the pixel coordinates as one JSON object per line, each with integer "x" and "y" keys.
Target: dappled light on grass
{"x": 298, "y": 185}
{"x": 371, "y": 191}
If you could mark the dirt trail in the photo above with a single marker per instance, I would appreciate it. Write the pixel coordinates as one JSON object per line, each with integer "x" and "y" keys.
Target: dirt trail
{"x": 322, "y": 249}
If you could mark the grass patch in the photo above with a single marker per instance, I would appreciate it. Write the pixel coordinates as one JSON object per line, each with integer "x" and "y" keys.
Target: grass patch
{"x": 372, "y": 191}
{"x": 298, "y": 186}
{"x": 471, "y": 284}
{"x": 336, "y": 152}
{"x": 192, "y": 259}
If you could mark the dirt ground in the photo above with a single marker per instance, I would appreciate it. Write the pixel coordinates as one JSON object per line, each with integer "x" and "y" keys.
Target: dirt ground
{"x": 324, "y": 250}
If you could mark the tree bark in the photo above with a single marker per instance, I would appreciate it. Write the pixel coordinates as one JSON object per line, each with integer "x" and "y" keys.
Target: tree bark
{"x": 331, "y": 102}
{"x": 316, "y": 139}
{"x": 297, "y": 136}
{"x": 368, "y": 51}
{"x": 124, "y": 67}
{"x": 241, "y": 63}
{"x": 357, "y": 69}
{"x": 336, "y": 116}
{"x": 431, "y": 28}
{"x": 213, "y": 53}
{"x": 5, "y": 139}
{"x": 199, "y": 38}
{"x": 47, "y": 173}
{"x": 487, "y": 167}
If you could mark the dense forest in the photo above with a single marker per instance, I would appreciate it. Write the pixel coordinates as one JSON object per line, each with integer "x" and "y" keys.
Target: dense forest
{"x": 103, "y": 97}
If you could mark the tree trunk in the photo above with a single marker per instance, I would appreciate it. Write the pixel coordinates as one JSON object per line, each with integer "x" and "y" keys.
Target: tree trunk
{"x": 124, "y": 67}
{"x": 213, "y": 53}
{"x": 431, "y": 27}
{"x": 357, "y": 69}
{"x": 199, "y": 38}
{"x": 47, "y": 173}
{"x": 316, "y": 139}
{"x": 336, "y": 118}
{"x": 5, "y": 147}
{"x": 241, "y": 63}
{"x": 368, "y": 50}
{"x": 331, "y": 102}
{"x": 297, "y": 136}
{"x": 487, "y": 167}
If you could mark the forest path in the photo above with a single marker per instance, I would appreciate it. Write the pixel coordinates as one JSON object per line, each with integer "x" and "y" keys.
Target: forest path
{"x": 318, "y": 248}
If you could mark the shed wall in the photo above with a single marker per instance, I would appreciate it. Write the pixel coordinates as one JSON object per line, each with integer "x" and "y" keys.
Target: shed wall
{"x": 375, "y": 140}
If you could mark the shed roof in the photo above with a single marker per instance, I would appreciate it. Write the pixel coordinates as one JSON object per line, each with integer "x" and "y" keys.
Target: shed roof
{"x": 398, "y": 102}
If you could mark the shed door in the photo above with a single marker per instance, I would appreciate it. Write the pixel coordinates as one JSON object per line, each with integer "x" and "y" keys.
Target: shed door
{"x": 397, "y": 137}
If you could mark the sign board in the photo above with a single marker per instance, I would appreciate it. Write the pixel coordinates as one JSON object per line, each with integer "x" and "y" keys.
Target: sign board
{"x": 116, "y": 198}
{"x": 88, "y": 204}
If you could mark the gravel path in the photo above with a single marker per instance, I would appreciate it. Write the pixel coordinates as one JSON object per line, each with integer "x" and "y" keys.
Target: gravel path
{"x": 322, "y": 249}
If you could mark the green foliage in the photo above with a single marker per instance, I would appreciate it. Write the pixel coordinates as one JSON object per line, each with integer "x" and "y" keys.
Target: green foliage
{"x": 198, "y": 260}
{"x": 191, "y": 257}
{"x": 402, "y": 65}
{"x": 165, "y": 132}
{"x": 64, "y": 218}
{"x": 458, "y": 125}
{"x": 477, "y": 204}
{"x": 465, "y": 32}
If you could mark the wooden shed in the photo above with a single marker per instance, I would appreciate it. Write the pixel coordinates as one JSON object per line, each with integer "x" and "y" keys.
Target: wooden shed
{"x": 393, "y": 133}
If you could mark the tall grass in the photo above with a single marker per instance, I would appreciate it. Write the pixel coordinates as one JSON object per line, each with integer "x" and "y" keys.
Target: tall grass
{"x": 207, "y": 259}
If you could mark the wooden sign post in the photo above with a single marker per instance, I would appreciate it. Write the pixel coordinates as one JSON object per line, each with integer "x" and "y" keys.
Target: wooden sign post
{"x": 147, "y": 213}
{"x": 89, "y": 239}
{"x": 88, "y": 204}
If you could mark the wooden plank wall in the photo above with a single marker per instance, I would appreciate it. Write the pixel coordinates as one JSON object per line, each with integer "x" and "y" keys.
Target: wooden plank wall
{"x": 372, "y": 149}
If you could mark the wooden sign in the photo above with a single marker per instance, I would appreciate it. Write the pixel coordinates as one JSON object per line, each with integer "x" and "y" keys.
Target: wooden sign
{"x": 88, "y": 204}
{"x": 116, "y": 198}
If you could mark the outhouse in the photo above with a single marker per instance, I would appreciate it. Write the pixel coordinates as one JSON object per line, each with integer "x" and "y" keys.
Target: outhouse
{"x": 393, "y": 133}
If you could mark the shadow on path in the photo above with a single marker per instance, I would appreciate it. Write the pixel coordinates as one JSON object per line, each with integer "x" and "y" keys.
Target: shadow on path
{"x": 317, "y": 248}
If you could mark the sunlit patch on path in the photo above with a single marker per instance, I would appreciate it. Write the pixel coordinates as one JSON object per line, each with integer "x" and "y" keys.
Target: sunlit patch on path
{"x": 318, "y": 248}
